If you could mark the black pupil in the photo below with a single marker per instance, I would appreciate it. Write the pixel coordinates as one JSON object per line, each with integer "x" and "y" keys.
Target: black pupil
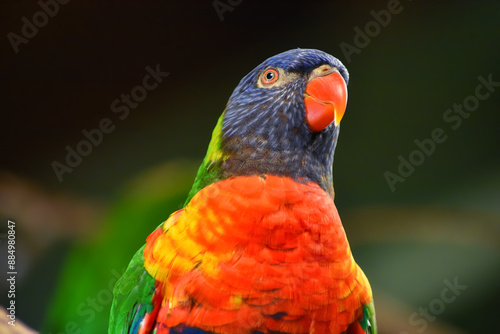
{"x": 269, "y": 76}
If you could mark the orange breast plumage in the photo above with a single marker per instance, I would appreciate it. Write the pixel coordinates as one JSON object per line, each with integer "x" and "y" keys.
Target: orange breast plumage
{"x": 256, "y": 253}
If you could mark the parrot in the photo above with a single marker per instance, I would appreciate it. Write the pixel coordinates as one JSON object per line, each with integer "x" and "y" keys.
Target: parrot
{"x": 259, "y": 246}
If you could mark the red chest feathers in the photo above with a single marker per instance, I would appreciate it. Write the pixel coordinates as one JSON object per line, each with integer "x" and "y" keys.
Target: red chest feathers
{"x": 266, "y": 254}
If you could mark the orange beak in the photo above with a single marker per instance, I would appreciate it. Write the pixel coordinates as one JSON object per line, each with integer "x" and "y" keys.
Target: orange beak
{"x": 326, "y": 100}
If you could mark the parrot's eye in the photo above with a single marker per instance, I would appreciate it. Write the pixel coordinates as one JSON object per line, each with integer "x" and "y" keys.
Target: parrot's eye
{"x": 273, "y": 77}
{"x": 270, "y": 76}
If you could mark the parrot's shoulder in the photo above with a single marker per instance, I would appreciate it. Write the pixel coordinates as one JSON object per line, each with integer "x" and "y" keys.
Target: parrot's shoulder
{"x": 366, "y": 324}
{"x": 133, "y": 297}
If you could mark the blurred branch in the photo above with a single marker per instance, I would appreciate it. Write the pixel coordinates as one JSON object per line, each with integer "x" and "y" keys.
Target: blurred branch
{"x": 430, "y": 224}
{"x": 46, "y": 217}
{"x": 392, "y": 317}
{"x": 17, "y": 328}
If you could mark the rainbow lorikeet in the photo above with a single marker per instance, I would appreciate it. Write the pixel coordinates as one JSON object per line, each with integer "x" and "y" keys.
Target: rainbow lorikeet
{"x": 259, "y": 246}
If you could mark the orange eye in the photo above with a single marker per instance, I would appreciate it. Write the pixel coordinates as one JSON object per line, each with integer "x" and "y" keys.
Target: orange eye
{"x": 270, "y": 76}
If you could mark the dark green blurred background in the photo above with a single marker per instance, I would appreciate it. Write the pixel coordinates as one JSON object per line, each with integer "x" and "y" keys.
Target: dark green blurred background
{"x": 441, "y": 223}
